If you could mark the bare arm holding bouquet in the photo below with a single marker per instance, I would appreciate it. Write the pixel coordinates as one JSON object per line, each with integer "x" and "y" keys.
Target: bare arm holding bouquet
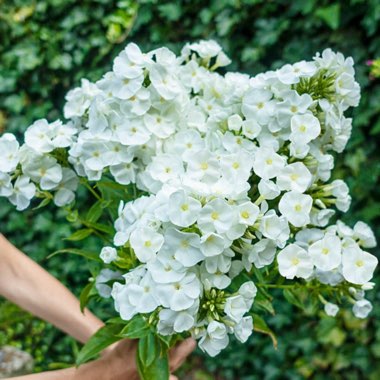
{"x": 25, "y": 283}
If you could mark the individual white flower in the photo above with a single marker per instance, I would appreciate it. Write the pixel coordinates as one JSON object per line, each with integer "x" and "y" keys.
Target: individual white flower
{"x": 166, "y": 269}
{"x": 205, "y": 49}
{"x": 251, "y": 128}
{"x": 215, "y": 339}
{"x": 180, "y": 295}
{"x": 358, "y": 265}
{"x": 159, "y": 124}
{"x": 236, "y": 143}
{"x": 130, "y": 62}
{"x": 9, "y": 148}
{"x": 308, "y": 236}
{"x": 236, "y": 166}
{"x": 108, "y": 255}
{"x": 203, "y": 166}
{"x": 294, "y": 177}
{"x": 291, "y": 74}
{"x": 45, "y": 170}
{"x": 257, "y": 105}
{"x": 176, "y": 321}
{"x": 331, "y": 309}
{"x": 326, "y": 253}
{"x": 274, "y": 227}
{"x": 23, "y": 192}
{"x": 79, "y": 99}
{"x": 294, "y": 261}
{"x": 122, "y": 305}
{"x": 235, "y": 308}
{"x": 296, "y": 208}
{"x": 320, "y": 218}
{"x": 183, "y": 210}
{"x": 243, "y": 329}
{"x": 165, "y": 82}
{"x": 103, "y": 279}
{"x": 146, "y": 242}
{"x": 213, "y": 244}
{"x": 248, "y": 213}
{"x": 234, "y": 122}
{"x": 63, "y": 134}
{"x": 362, "y": 308}
{"x": 5, "y": 185}
{"x": 39, "y": 136}
{"x": 248, "y": 291}
{"x": 215, "y": 279}
{"x": 64, "y": 192}
{"x": 331, "y": 277}
{"x": 262, "y": 253}
{"x": 268, "y": 163}
{"x": 186, "y": 143}
{"x": 305, "y": 128}
{"x": 143, "y": 296}
{"x": 268, "y": 189}
{"x": 340, "y": 191}
{"x": 165, "y": 167}
{"x": 184, "y": 246}
{"x": 293, "y": 104}
{"x": 216, "y": 216}
{"x": 365, "y": 235}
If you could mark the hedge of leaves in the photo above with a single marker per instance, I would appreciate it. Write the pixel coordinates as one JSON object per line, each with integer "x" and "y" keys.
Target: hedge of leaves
{"x": 47, "y": 46}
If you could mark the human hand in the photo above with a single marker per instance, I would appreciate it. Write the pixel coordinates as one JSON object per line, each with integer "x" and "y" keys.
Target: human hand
{"x": 120, "y": 361}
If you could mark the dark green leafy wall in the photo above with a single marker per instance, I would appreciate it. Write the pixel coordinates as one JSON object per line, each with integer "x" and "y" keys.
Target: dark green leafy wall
{"x": 47, "y": 46}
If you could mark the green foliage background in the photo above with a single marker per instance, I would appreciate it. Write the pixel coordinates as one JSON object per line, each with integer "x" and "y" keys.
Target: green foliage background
{"x": 47, "y": 46}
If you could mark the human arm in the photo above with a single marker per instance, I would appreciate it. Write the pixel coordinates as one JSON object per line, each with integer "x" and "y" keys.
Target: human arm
{"x": 118, "y": 364}
{"x": 26, "y": 284}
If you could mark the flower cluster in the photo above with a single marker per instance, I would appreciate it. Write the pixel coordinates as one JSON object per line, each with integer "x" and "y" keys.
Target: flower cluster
{"x": 235, "y": 172}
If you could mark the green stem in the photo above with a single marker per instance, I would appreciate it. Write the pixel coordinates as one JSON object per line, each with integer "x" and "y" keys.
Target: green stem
{"x": 93, "y": 192}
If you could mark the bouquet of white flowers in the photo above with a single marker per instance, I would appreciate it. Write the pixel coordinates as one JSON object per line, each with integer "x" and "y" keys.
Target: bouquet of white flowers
{"x": 223, "y": 189}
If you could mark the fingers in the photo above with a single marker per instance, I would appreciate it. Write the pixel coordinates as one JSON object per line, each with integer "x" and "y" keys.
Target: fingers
{"x": 172, "y": 377}
{"x": 179, "y": 353}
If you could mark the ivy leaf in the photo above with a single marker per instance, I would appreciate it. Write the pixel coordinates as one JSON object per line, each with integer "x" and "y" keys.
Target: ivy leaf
{"x": 103, "y": 338}
{"x": 330, "y": 15}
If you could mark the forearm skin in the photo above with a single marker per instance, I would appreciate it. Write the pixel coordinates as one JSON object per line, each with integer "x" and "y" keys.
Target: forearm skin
{"x": 26, "y": 284}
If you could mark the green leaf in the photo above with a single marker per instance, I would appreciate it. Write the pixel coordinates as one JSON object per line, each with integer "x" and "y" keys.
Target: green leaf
{"x": 148, "y": 349}
{"x": 103, "y": 338}
{"x": 43, "y": 203}
{"x": 158, "y": 369}
{"x": 85, "y": 295}
{"x": 330, "y": 15}
{"x": 264, "y": 304}
{"x": 292, "y": 298}
{"x": 261, "y": 326}
{"x": 80, "y": 235}
{"x": 101, "y": 227}
{"x": 95, "y": 212}
{"x": 87, "y": 254}
{"x": 375, "y": 130}
{"x": 136, "y": 328}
